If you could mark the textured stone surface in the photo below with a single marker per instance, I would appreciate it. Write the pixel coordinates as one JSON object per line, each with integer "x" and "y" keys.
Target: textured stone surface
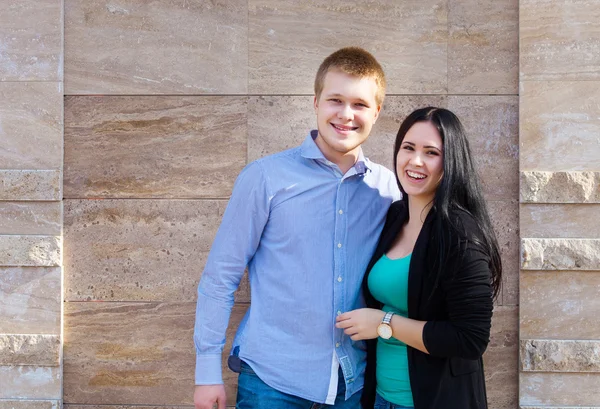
{"x": 559, "y": 40}
{"x": 289, "y": 39}
{"x": 560, "y": 187}
{"x": 31, "y": 131}
{"x": 161, "y": 146}
{"x": 501, "y": 359}
{"x": 560, "y": 220}
{"x": 492, "y": 125}
{"x": 559, "y": 305}
{"x": 29, "y": 404}
{"x": 132, "y": 47}
{"x": 43, "y": 251}
{"x": 31, "y": 218}
{"x": 30, "y": 185}
{"x": 560, "y": 254}
{"x": 133, "y": 250}
{"x": 505, "y": 220}
{"x": 35, "y": 350}
{"x": 538, "y": 355}
{"x": 31, "y": 40}
{"x": 483, "y": 47}
{"x": 30, "y": 299}
{"x": 559, "y": 389}
{"x": 134, "y": 353}
{"x": 30, "y": 382}
{"x": 560, "y": 125}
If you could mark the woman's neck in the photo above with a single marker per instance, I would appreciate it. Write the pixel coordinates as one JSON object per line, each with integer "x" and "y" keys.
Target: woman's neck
{"x": 418, "y": 208}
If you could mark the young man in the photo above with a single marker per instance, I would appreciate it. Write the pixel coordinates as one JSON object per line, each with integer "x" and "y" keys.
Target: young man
{"x": 305, "y": 222}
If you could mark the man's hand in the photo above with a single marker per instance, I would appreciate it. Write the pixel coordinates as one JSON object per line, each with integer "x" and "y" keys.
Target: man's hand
{"x": 360, "y": 324}
{"x": 209, "y": 397}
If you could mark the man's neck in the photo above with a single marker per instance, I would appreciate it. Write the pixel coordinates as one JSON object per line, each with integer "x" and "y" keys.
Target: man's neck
{"x": 344, "y": 161}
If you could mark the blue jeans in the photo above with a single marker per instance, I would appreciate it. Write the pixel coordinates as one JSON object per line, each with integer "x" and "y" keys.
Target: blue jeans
{"x": 255, "y": 394}
{"x": 381, "y": 403}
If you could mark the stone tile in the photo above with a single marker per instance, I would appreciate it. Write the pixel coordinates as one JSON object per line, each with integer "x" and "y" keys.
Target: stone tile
{"x": 560, "y": 254}
{"x": 540, "y": 355}
{"x": 138, "y": 250}
{"x": 505, "y": 220}
{"x": 30, "y": 300}
{"x": 560, "y": 220}
{"x": 29, "y": 404}
{"x": 30, "y": 382}
{"x": 559, "y": 305}
{"x": 559, "y": 389}
{"x": 39, "y": 251}
{"x": 483, "y": 47}
{"x": 501, "y": 359}
{"x": 492, "y": 124}
{"x": 30, "y": 185}
{"x": 31, "y": 218}
{"x": 134, "y": 353}
{"x": 31, "y": 131}
{"x": 132, "y": 47}
{"x": 154, "y": 146}
{"x": 31, "y": 40}
{"x": 559, "y": 40}
{"x": 265, "y": 113}
{"x": 560, "y": 187}
{"x": 560, "y": 125}
{"x": 288, "y": 40}
{"x": 33, "y": 350}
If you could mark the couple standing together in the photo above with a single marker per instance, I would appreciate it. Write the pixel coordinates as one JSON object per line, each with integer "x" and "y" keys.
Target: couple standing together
{"x": 366, "y": 288}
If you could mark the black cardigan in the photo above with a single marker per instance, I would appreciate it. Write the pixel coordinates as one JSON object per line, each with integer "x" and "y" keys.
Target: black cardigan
{"x": 458, "y": 311}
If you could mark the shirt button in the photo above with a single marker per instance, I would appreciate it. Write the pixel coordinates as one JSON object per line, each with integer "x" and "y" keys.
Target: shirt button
{"x": 339, "y": 245}
{"x": 337, "y": 344}
{"x": 339, "y": 313}
{"x": 341, "y": 211}
{"x": 339, "y": 279}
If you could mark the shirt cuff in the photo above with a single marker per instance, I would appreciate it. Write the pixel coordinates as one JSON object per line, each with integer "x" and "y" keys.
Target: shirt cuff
{"x": 208, "y": 370}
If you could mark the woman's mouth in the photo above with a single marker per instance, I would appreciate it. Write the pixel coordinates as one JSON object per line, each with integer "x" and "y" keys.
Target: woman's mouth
{"x": 415, "y": 175}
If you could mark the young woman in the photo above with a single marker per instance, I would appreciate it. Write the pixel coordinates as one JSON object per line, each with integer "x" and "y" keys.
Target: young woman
{"x": 430, "y": 285}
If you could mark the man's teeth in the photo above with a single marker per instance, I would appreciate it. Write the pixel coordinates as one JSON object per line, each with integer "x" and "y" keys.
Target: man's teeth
{"x": 344, "y": 128}
{"x": 415, "y": 175}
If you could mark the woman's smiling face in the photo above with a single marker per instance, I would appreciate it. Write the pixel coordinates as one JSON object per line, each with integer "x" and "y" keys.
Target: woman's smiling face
{"x": 420, "y": 161}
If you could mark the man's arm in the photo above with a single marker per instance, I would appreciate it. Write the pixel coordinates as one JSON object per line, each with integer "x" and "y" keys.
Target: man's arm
{"x": 236, "y": 241}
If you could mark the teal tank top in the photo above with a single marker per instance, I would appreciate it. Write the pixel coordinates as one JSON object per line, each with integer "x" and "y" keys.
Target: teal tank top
{"x": 388, "y": 282}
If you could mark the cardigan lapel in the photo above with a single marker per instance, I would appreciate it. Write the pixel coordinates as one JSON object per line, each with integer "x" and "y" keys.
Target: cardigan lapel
{"x": 417, "y": 268}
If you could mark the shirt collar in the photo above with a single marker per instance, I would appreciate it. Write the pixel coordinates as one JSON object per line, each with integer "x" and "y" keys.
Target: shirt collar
{"x": 310, "y": 150}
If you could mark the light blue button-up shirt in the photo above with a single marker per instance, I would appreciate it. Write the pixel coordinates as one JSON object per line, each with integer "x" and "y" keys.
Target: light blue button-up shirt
{"x": 306, "y": 233}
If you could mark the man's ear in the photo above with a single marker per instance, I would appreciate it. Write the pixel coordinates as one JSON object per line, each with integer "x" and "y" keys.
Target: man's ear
{"x": 377, "y": 113}
{"x": 316, "y": 104}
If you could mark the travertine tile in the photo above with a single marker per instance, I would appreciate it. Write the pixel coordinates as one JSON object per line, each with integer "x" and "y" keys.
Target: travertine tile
{"x": 501, "y": 359}
{"x": 29, "y": 404}
{"x": 30, "y": 382}
{"x": 32, "y": 350}
{"x": 560, "y": 125}
{"x": 559, "y": 389}
{"x": 560, "y": 220}
{"x": 492, "y": 125}
{"x": 483, "y": 47}
{"x": 31, "y": 218}
{"x": 134, "y": 353}
{"x": 505, "y": 220}
{"x": 161, "y": 146}
{"x": 559, "y": 305}
{"x": 30, "y": 299}
{"x": 541, "y": 355}
{"x": 560, "y": 254}
{"x": 30, "y": 185}
{"x": 31, "y": 131}
{"x": 289, "y": 39}
{"x": 560, "y": 187}
{"x": 38, "y": 251}
{"x": 559, "y": 40}
{"x": 132, "y": 47}
{"x": 133, "y": 250}
{"x": 31, "y": 40}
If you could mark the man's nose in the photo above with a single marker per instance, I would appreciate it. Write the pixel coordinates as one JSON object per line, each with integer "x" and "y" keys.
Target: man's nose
{"x": 346, "y": 113}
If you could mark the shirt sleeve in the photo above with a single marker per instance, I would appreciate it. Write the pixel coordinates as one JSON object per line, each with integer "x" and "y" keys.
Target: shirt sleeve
{"x": 236, "y": 242}
{"x": 469, "y": 303}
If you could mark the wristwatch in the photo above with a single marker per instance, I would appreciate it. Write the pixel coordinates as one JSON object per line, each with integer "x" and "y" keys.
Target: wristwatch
{"x": 384, "y": 330}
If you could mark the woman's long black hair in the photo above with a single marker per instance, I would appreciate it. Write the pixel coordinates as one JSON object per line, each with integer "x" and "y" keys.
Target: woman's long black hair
{"x": 459, "y": 189}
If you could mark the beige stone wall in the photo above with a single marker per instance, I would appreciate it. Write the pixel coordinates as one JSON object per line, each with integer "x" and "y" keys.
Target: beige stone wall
{"x": 164, "y": 103}
{"x": 560, "y": 202}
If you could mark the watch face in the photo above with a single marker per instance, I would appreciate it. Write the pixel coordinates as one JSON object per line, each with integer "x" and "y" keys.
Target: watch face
{"x": 384, "y": 331}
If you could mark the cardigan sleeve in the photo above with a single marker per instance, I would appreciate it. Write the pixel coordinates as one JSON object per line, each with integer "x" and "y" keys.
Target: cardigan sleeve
{"x": 469, "y": 303}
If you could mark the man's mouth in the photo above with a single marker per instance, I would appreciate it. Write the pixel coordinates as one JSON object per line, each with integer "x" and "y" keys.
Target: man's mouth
{"x": 415, "y": 175}
{"x": 344, "y": 128}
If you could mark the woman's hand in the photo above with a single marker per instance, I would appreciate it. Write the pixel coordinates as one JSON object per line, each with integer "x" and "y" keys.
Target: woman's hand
{"x": 360, "y": 324}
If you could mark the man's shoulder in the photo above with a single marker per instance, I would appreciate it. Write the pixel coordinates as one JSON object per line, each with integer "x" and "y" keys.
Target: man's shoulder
{"x": 278, "y": 158}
